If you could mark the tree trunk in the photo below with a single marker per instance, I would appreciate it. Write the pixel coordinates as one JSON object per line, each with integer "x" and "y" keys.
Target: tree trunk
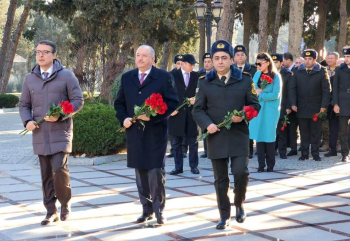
{"x": 321, "y": 28}
{"x": 13, "y": 47}
{"x": 343, "y": 25}
{"x": 201, "y": 42}
{"x": 246, "y": 27}
{"x": 225, "y": 28}
{"x": 165, "y": 56}
{"x": 115, "y": 67}
{"x": 29, "y": 62}
{"x": 276, "y": 27}
{"x": 263, "y": 9}
{"x": 171, "y": 56}
{"x": 151, "y": 42}
{"x": 296, "y": 12}
{"x": 7, "y": 34}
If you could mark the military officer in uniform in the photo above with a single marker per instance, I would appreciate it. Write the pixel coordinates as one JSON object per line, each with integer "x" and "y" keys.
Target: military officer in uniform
{"x": 240, "y": 61}
{"x": 208, "y": 65}
{"x": 286, "y": 76}
{"x": 225, "y": 89}
{"x": 181, "y": 123}
{"x": 341, "y": 101}
{"x": 310, "y": 94}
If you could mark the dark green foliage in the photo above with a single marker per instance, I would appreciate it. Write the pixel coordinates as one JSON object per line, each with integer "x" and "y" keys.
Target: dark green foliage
{"x": 8, "y": 101}
{"x": 95, "y": 130}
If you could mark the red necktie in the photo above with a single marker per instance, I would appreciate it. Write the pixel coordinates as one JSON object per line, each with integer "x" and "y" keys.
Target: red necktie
{"x": 142, "y": 77}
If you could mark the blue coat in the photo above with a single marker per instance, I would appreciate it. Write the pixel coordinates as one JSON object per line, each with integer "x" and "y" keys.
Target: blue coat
{"x": 146, "y": 148}
{"x": 263, "y": 127}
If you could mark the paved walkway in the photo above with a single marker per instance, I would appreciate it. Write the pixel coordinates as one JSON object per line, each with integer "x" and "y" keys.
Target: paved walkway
{"x": 299, "y": 201}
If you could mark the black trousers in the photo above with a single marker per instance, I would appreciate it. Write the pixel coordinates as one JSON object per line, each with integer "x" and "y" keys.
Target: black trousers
{"x": 178, "y": 154}
{"x": 55, "y": 181}
{"x": 293, "y": 130}
{"x": 184, "y": 145}
{"x": 282, "y": 137}
{"x": 239, "y": 168}
{"x": 251, "y": 147}
{"x": 151, "y": 189}
{"x": 266, "y": 152}
{"x": 333, "y": 132}
{"x": 310, "y": 132}
{"x": 344, "y": 136}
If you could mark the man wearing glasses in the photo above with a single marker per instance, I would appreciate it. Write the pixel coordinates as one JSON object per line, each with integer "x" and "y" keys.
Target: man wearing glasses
{"x": 50, "y": 83}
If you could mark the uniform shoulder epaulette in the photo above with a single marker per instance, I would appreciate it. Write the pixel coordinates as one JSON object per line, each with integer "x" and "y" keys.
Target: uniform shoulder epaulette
{"x": 202, "y": 76}
{"x": 244, "y": 72}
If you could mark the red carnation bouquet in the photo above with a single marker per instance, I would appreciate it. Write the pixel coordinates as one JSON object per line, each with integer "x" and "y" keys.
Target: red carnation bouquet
{"x": 318, "y": 115}
{"x": 285, "y": 122}
{"x": 64, "y": 108}
{"x": 247, "y": 114}
{"x": 265, "y": 80}
{"x": 153, "y": 105}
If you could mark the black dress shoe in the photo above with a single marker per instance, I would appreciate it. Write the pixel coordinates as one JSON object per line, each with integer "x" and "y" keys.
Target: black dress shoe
{"x": 204, "y": 155}
{"x": 269, "y": 169}
{"x": 330, "y": 153}
{"x": 161, "y": 220}
{"x": 283, "y": 156}
{"x": 65, "y": 211}
{"x": 240, "y": 214}
{"x": 170, "y": 155}
{"x": 261, "y": 170}
{"x": 223, "y": 223}
{"x": 292, "y": 153}
{"x": 50, "y": 218}
{"x": 345, "y": 159}
{"x": 144, "y": 217}
{"x": 303, "y": 158}
{"x": 176, "y": 171}
{"x": 195, "y": 170}
{"x": 317, "y": 158}
{"x": 64, "y": 216}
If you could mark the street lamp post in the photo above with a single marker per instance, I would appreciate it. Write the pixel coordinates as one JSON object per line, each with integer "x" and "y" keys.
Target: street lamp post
{"x": 204, "y": 13}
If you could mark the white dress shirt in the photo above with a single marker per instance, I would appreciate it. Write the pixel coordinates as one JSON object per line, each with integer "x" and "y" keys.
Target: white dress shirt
{"x": 47, "y": 71}
{"x": 146, "y": 72}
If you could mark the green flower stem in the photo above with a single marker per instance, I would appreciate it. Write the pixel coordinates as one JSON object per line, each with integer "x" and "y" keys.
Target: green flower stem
{"x": 25, "y": 131}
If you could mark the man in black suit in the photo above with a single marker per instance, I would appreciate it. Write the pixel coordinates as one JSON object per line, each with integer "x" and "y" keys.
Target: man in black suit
{"x": 310, "y": 94}
{"x": 225, "y": 89}
{"x": 181, "y": 123}
{"x": 146, "y": 146}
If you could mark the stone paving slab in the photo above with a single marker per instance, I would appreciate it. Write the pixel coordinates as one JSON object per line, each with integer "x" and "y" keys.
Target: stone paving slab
{"x": 283, "y": 205}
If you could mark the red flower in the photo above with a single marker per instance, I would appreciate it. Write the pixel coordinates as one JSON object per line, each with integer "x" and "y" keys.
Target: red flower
{"x": 285, "y": 125}
{"x": 282, "y": 128}
{"x": 250, "y": 112}
{"x": 161, "y": 110}
{"x": 67, "y": 107}
{"x": 315, "y": 117}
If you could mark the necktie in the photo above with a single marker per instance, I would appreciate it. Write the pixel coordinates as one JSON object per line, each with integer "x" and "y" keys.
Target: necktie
{"x": 142, "y": 78}
{"x": 240, "y": 68}
{"x": 223, "y": 78}
{"x": 46, "y": 74}
{"x": 308, "y": 71}
{"x": 187, "y": 79}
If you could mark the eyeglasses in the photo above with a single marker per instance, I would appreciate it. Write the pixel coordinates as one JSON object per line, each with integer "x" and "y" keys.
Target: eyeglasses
{"x": 44, "y": 52}
{"x": 259, "y": 64}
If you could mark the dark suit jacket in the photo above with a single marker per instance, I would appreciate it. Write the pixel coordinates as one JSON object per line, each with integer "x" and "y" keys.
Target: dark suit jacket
{"x": 146, "y": 148}
{"x": 183, "y": 124}
{"x": 341, "y": 90}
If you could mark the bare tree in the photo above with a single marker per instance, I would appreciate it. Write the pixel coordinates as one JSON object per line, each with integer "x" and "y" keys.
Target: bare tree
{"x": 276, "y": 26}
{"x": 7, "y": 34}
{"x": 13, "y": 47}
{"x": 165, "y": 56}
{"x": 263, "y": 9}
{"x": 226, "y": 24}
{"x": 321, "y": 27}
{"x": 343, "y": 25}
{"x": 296, "y": 12}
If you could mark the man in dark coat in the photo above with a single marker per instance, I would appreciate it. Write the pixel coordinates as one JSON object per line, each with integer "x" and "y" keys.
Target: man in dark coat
{"x": 341, "y": 101}
{"x": 225, "y": 89}
{"x": 310, "y": 94}
{"x": 146, "y": 146}
{"x": 50, "y": 83}
{"x": 207, "y": 66}
{"x": 181, "y": 123}
{"x": 286, "y": 75}
{"x": 240, "y": 60}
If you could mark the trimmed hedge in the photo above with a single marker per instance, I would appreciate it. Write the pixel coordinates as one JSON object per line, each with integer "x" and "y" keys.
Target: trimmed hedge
{"x": 8, "y": 101}
{"x": 95, "y": 131}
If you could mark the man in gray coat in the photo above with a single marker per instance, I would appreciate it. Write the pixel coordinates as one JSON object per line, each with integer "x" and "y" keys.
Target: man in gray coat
{"x": 50, "y": 83}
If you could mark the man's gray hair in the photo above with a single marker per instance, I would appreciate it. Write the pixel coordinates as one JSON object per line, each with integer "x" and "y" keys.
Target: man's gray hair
{"x": 333, "y": 53}
{"x": 151, "y": 50}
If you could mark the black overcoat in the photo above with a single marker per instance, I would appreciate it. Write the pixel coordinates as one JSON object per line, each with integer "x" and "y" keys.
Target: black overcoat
{"x": 341, "y": 90}
{"x": 145, "y": 148}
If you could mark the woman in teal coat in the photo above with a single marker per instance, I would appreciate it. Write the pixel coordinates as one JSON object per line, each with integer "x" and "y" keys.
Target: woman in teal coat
{"x": 263, "y": 128}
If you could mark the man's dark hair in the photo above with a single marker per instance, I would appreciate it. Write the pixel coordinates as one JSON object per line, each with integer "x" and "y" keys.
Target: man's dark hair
{"x": 287, "y": 56}
{"x": 50, "y": 43}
